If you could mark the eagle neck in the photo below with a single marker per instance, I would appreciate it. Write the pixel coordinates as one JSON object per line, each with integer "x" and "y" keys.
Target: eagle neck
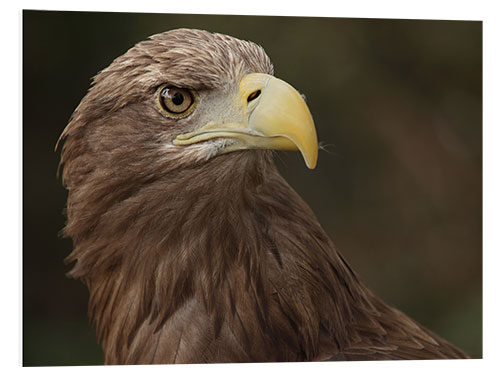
{"x": 230, "y": 236}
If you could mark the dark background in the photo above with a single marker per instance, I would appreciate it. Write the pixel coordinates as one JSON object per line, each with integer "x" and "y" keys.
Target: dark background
{"x": 398, "y": 109}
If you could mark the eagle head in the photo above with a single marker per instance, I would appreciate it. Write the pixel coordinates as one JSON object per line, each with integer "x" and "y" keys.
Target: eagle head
{"x": 188, "y": 96}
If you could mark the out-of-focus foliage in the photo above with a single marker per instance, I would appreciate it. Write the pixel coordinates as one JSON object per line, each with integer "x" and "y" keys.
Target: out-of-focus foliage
{"x": 398, "y": 107}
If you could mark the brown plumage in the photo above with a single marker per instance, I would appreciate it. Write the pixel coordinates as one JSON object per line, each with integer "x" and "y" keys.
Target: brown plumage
{"x": 201, "y": 252}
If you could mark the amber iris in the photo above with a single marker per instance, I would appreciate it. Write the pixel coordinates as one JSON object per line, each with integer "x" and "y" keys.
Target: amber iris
{"x": 176, "y": 101}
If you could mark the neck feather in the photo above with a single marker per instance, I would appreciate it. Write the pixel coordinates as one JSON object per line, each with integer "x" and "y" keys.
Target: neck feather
{"x": 230, "y": 234}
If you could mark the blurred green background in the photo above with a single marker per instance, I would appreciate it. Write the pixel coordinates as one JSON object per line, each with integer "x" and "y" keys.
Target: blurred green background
{"x": 398, "y": 110}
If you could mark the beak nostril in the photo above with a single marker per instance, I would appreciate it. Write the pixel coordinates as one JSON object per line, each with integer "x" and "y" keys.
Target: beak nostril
{"x": 253, "y": 95}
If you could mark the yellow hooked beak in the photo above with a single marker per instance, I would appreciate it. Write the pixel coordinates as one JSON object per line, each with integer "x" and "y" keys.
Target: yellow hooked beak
{"x": 275, "y": 116}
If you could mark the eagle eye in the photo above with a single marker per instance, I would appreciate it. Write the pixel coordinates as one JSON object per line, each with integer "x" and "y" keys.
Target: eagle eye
{"x": 176, "y": 101}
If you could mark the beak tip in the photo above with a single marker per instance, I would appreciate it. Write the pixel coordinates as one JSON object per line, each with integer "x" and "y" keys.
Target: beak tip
{"x": 311, "y": 164}
{"x": 310, "y": 154}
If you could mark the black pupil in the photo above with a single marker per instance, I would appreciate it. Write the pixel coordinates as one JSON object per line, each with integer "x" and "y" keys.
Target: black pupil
{"x": 177, "y": 98}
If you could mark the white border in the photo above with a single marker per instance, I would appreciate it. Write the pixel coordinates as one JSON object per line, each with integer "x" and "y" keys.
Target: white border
{"x": 11, "y": 220}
